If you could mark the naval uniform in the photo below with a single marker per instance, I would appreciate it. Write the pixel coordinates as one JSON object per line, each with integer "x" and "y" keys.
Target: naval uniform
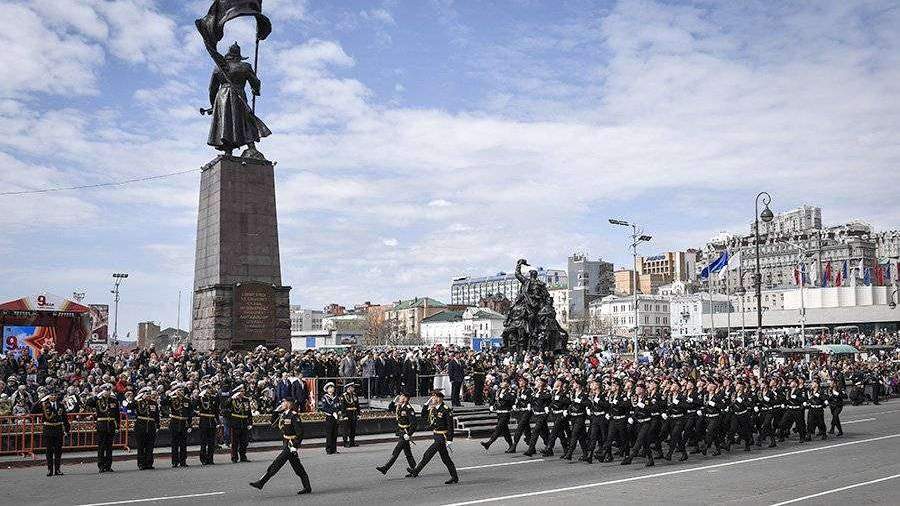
{"x": 836, "y": 405}
{"x": 440, "y": 419}
{"x": 559, "y": 406}
{"x": 291, "y": 427}
{"x": 501, "y": 405}
{"x": 676, "y": 416}
{"x": 405, "y": 415}
{"x": 331, "y": 408}
{"x": 207, "y": 408}
{"x": 641, "y": 417}
{"x": 350, "y": 408}
{"x": 522, "y": 408}
{"x": 106, "y": 416}
{"x": 619, "y": 406}
{"x": 577, "y": 412}
{"x": 540, "y": 408}
{"x": 794, "y": 402}
{"x": 240, "y": 420}
{"x": 55, "y": 423}
{"x": 181, "y": 415}
{"x": 815, "y": 415}
{"x": 146, "y": 425}
{"x": 598, "y": 411}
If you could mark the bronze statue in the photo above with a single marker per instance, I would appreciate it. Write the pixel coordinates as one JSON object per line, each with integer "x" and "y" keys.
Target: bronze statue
{"x": 531, "y": 322}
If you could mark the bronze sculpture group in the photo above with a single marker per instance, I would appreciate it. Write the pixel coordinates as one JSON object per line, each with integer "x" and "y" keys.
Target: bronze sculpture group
{"x": 531, "y": 323}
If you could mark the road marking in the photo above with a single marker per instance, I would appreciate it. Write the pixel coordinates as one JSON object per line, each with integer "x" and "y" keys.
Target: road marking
{"x": 669, "y": 473}
{"x": 501, "y": 464}
{"x": 848, "y": 487}
{"x": 152, "y": 499}
{"x": 858, "y": 421}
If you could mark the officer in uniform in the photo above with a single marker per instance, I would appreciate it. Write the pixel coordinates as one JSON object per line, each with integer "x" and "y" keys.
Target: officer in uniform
{"x": 559, "y": 406}
{"x": 692, "y": 419}
{"x": 676, "y": 414}
{"x": 598, "y": 410}
{"x": 641, "y": 418}
{"x": 579, "y": 404}
{"x": 522, "y": 408}
{"x": 181, "y": 415}
{"x": 657, "y": 427}
{"x": 766, "y": 401}
{"x": 146, "y": 424}
{"x": 406, "y": 427}
{"x": 836, "y": 405}
{"x": 106, "y": 416}
{"x": 55, "y": 422}
{"x": 742, "y": 405}
{"x": 540, "y": 407}
{"x": 330, "y": 406}
{"x": 619, "y": 407}
{"x": 350, "y": 408}
{"x": 291, "y": 426}
{"x": 815, "y": 416}
{"x": 795, "y": 401}
{"x": 713, "y": 402}
{"x": 440, "y": 419}
{"x": 207, "y": 408}
{"x": 240, "y": 420}
{"x": 501, "y": 405}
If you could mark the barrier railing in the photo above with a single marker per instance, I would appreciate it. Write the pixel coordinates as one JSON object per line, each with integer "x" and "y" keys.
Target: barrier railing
{"x": 14, "y": 431}
{"x": 24, "y": 434}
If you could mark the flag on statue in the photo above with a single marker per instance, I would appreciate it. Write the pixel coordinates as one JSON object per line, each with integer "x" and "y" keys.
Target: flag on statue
{"x": 212, "y": 26}
{"x": 715, "y": 266}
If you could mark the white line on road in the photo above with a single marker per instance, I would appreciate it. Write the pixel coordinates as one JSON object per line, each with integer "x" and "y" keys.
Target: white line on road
{"x": 501, "y": 464}
{"x": 152, "y": 499}
{"x": 858, "y": 421}
{"x": 669, "y": 473}
{"x": 848, "y": 487}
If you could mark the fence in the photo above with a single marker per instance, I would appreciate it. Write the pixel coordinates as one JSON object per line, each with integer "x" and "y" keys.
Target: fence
{"x": 24, "y": 434}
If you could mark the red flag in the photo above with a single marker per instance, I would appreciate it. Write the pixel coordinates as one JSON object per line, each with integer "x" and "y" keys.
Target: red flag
{"x": 826, "y": 280}
{"x": 838, "y": 280}
{"x": 796, "y": 276}
{"x": 879, "y": 275}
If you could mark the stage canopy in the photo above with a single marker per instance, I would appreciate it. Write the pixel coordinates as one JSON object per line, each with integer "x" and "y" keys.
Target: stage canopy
{"x": 35, "y": 323}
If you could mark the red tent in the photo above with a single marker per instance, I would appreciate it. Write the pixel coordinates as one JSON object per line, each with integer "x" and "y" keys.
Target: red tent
{"x": 43, "y": 321}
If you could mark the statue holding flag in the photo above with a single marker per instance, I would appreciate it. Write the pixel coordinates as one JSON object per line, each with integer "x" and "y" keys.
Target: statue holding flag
{"x": 234, "y": 121}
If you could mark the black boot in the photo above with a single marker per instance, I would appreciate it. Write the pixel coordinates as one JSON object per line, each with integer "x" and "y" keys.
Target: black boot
{"x": 650, "y": 462}
{"x": 626, "y": 461}
{"x": 453, "y": 479}
{"x": 684, "y": 456}
{"x": 381, "y": 469}
{"x": 485, "y": 445}
{"x": 668, "y": 455}
{"x": 412, "y": 473}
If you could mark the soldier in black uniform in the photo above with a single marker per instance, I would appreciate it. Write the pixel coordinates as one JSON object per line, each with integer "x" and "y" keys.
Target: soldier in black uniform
{"x": 597, "y": 411}
{"x": 577, "y": 413}
{"x": 540, "y": 408}
{"x": 742, "y": 404}
{"x": 207, "y": 408}
{"x": 676, "y": 415}
{"x": 501, "y": 405}
{"x": 440, "y": 419}
{"x": 55, "y": 422}
{"x": 559, "y": 406}
{"x": 522, "y": 409}
{"x": 815, "y": 416}
{"x": 619, "y": 407}
{"x": 240, "y": 420}
{"x": 794, "y": 403}
{"x": 406, "y": 427}
{"x": 640, "y": 417}
{"x": 330, "y": 406}
{"x": 836, "y": 405}
{"x": 657, "y": 407}
{"x": 181, "y": 416}
{"x": 146, "y": 424}
{"x": 713, "y": 402}
{"x": 350, "y": 408}
{"x": 288, "y": 421}
{"x": 767, "y": 400}
{"x": 692, "y": 403}
{"x": 106, "y": 416}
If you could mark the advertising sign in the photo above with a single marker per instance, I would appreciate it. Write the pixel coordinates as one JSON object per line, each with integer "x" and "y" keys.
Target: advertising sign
{"x": 254, "y": 311}
{"x": 28, "y": 340}
{"x": 99, "y": 336}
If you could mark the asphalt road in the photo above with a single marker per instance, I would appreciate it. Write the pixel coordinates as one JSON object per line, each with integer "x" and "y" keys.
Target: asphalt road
{"x": 863, "y": 467}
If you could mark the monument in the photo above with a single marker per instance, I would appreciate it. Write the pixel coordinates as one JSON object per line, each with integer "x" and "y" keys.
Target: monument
{"x": 531, "y": 323}
{"x": 239, "y": 301}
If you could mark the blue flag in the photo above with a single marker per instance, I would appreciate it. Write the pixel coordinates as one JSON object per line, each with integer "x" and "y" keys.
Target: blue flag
{"x": 716, "y": 265}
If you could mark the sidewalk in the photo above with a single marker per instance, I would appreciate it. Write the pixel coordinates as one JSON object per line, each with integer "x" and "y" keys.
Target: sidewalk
{"x": 163, "y": 454}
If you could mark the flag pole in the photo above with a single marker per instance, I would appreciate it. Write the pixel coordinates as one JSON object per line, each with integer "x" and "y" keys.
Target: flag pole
{"x": 255, "y": 68}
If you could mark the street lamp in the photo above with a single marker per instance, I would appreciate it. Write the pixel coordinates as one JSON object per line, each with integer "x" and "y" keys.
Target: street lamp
{"x": 117, "y": 280}
{"x": 767, "y": 216}
{"x": 636, "y": 238}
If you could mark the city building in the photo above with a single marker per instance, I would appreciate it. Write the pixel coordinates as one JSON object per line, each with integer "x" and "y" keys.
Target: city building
{"x": 648, "y": 283}
{"x": 146, "y": 333}
{"x": 686, "y": 313}
{"x": 314, "y": 339}
{"x": 406, "y": 315}
{"x": 334, "y": 309}
{"x": 561, "y": 305}
{"x": 624, "y": 282}
{"x": 589, "y": 280}
{"x": 676, "y": 288}
{"x": 344, "y": 322}
{"x": 496, "y": 302}
{"x": 468, "y": 291}
{"x": 671, "y": 266}
{"x": 305, "y": 319}
{"x": 474, "y": 327}
{"x": 615, "y": 315}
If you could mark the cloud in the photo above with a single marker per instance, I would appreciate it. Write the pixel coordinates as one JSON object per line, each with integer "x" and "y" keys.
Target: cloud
{"x": 378, "y": 15}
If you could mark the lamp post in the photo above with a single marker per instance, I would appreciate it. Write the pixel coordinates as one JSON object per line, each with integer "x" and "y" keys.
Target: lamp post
{"x": 117, "y": 280}
{"x": 742, "y": 292}
{"x": 802, "y": 255}
{"x": 767, "y": 216}
{"x": 636, "y": 238}
{"x": 891, "y": 303}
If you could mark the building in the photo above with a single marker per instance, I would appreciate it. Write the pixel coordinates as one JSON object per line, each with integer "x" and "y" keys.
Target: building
{"x": 344, "y": 322}
{"x": 671, "y": 266}
{"x": 615, "y": 315}
{"x": 676, "y": 288}
{"x": 624, "y": 282}
{"x": 686, "y": 313}
{"x": 496, "y": 302}
{"x": 561, "y": 305}
{"x": 468, "y": 291}
{"x": 146, "y": 333}
{"x": 335, "y": 309}
{"x": 406, "y": 315}
{"x": 313, "y": 339}
{"x": 305, "y": 319}
{"x": 648, "y": 283}
{"x": 589, "y": 280}
{"x": 474, "y": 327}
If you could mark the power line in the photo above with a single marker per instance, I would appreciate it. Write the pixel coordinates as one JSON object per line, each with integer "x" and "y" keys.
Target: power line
{"x": 98, "y": 185}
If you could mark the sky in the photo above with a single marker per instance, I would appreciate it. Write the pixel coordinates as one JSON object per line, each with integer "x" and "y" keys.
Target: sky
{"x": 422, "y": 140}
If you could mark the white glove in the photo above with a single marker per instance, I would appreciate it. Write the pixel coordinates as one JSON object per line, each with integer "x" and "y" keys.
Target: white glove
{"x": 805, "y": 404}
{"x": 665, "y": 416}
{"x": 699, "y": 412}
{"x": 675, "y": 402}
{"x": 449, "y": 444}
{"x": 630, "y": 420}
{"x": 528, "y": 406}
{"x": 565, "y": 413}
{"x": 607, "y": 416}
{"x": 406, "y": 437}
{"x": 826, "y": 402}
{"x": 588, "y": 411}
{"x": 546, "y": 410}
{"x": 640, "y": 404}
{"x": 711, "y": 403}
{"x": 190, "y": 429}
{"x": 765, "y": 398}
{"x": 793, "y": 397}
{"x": 755, "y": 409}
{"x": 336, "y": 416}
{"x": 492, "y": 409}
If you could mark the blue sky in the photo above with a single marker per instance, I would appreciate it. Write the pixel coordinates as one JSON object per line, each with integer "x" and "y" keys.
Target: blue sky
{"x": 421, "y": 140}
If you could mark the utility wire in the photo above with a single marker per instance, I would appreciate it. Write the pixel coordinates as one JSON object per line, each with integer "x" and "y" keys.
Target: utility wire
{"x": 98, "y": 185}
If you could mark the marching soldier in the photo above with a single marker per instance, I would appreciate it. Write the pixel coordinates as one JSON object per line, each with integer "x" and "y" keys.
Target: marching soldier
{"x": 579, "y": 405}
{"x": 440, "y": 418}
{"x": 208, "y": 410}
{"x": 742, "y": 415}
{"x": 55, "y": 421}
{"x": 836, "y": 405}
{"x": 331, "y": 408}
{"x": 657, "y": 406}
{"x": 106, "y": 416}
{"x": 291, "y": 426}
{"x": 598, "y": 411}
{"x": 815, "y": 416}
{"x": 522, "y": 409}
{"x": 240, "y": 420}
{"x": 540, "y": 408}
{"x": 558, "y": 407}
{"x": 501, "y": 405}
{"x": 350, "y": 408}
{"x": 713, "y": 402}
{"x": 676, "y": 414}
{"x": 406, "y": 427}
{"x": 692, "y": 419}
{"x": 181, "y": 416}
{"x": 619, "y": 406}
{"x": 767, "y": 400}
{"x": 640, "y": 417}
{"x": 795, "y": 401}
{"x": 146, "y": 425}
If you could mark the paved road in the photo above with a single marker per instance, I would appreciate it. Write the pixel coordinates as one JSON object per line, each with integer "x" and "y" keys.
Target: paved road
{"x": 868, "y": 454}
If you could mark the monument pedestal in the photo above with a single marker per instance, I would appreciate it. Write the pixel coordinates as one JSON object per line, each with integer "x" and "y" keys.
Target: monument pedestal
{"x": 239, "y": 302}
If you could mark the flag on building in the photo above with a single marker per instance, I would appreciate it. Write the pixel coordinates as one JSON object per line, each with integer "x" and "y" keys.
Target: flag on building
{"x": 814, "y": 275}
{"x": 826, "y": 279}
{"x": 839, "y": 278}
{"x": 797, "y": 279}
{"x": 734, "y": 262}
{"x": 867, "y": 276}
{"x": 715, "y": 266}
{"x": 879, "y": 275}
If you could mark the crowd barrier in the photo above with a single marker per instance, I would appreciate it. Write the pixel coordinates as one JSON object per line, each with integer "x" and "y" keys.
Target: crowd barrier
{"x": 23, "y": 435}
